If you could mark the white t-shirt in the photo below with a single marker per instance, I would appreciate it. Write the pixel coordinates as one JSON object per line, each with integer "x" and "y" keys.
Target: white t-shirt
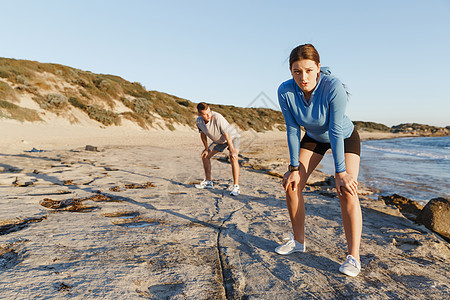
{"x": 216, "y": 128}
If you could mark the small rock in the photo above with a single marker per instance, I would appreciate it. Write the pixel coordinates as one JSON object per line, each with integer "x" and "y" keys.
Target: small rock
{"x": 409, "y": 208}
{"x": 22, "y": 181}
{"x": 91, "y": 148}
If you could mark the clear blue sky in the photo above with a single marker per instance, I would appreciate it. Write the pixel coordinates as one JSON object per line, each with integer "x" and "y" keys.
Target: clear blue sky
{"x": 394, "y": 55}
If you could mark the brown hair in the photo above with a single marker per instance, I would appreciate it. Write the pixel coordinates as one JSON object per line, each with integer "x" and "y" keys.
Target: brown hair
{"x": 202, "y": 106}
{"x": 306, "y": 51}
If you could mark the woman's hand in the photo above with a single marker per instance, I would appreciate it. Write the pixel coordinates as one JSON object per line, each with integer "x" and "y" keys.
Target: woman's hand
{"x": 346, "y": 181}
{"x": 291, "y": 179}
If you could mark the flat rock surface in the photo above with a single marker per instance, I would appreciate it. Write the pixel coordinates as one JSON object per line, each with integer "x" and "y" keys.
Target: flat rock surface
{"x": 153, "y": 235}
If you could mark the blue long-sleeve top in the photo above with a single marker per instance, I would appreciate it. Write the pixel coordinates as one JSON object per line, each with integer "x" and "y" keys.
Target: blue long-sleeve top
{"x": 323, "y": 116}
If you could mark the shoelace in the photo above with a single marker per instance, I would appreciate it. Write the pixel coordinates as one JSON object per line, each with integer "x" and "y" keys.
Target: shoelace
{"x": 290, "y": 238}
{"x": 352, "y": 261}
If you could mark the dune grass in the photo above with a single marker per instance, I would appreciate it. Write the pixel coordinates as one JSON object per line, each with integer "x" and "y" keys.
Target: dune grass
{"x": 6, "y": 92}
{"x": 96, "y": 95}
{"x": 12, "y": 111}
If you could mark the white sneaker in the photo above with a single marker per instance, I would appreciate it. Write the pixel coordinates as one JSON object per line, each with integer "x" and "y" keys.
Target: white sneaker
{"x": 351, "y": 267}
{"x": 290, "y": 247}
{"x": 205, "y": 184}
{"x": 235, "y": 191}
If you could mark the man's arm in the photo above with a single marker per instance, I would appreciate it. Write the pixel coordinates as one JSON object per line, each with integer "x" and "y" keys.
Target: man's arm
{"x": 204, "y": 139}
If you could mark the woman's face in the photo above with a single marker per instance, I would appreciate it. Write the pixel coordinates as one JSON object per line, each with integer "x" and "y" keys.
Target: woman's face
{"x": 305, "y": 73}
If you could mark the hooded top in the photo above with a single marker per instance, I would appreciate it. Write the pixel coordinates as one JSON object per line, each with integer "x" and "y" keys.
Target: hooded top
{"x": 323, "y": 117}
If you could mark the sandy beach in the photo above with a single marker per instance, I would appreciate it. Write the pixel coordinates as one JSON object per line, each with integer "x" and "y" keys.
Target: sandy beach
{"x": 126, "y": 222}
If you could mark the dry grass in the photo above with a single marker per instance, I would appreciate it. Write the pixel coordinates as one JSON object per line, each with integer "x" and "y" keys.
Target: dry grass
{"x": 12, "y": 111}
{"x": 96, "y": 95}
{"x": 6, "y": 92}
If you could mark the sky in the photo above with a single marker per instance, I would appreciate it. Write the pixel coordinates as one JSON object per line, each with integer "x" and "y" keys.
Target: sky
{"x": 393, "y": 55}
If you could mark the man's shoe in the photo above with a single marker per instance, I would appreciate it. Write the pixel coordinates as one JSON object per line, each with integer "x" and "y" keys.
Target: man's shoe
{"x": 290, "y": 247}
{"x": 205, "y": 184}
{"x": 351, "y": 267}
{"x": 235, "y": 191}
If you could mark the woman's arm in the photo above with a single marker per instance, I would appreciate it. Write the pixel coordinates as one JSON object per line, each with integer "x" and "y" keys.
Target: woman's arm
{"x": 292, "y": 129}
{"x": 291, "y": 179}
{"x": 338, "y": 104}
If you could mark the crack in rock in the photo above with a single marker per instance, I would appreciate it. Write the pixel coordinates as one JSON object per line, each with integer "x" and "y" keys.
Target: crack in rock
{"x": 228, "y": 280}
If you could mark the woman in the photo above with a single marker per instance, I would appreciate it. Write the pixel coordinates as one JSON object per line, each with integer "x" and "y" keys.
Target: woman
{"x": 316, "y": 100}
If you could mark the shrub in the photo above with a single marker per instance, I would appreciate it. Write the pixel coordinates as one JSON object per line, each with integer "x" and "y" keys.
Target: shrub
{"x": 102, "y": 115}
{"x": 22, "y": 80}
{"x": 54, "y": 101}
{"x": 4, "y": 74}
{"x": 183, "y": 102}
{"x": 77, "y": 103}
{"x": 170, "y": 127}
{"x": 27, "y": 88}
{"x": 132, "y": 116}
{"x": 140, "y": 85}
{"x": 107, "y": 86}
{"x": 141, "y": 106}
{"x": 163, "y": 112}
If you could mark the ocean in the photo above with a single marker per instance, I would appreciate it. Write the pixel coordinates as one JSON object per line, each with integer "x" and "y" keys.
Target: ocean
{"x": 417, "y": 168}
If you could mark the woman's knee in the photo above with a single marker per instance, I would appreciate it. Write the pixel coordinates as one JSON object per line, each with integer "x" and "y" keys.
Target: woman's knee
{"x": 298, "y": 189}
{"x": 347, "y": 198}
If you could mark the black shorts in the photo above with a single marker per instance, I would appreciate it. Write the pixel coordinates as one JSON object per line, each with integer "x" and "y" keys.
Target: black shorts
{"x": 352, "y": 144}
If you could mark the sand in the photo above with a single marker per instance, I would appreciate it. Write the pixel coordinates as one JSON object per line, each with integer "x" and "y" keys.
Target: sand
{"x": 131, "y": 225}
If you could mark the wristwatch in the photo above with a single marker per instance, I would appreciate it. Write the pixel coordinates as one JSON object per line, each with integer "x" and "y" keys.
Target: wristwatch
{"x": 292, "y": 168}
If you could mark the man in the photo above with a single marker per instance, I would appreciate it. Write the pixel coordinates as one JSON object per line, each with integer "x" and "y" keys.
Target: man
{"x": 223, "y": 135}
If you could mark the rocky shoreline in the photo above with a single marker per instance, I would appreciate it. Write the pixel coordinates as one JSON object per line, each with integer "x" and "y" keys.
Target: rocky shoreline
{"x": 406, "y": 129}
{"x": 421, "y": 130}
{"x": 435, "y": 215}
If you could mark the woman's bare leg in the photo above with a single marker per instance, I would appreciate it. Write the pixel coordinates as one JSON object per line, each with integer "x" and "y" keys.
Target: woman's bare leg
{"x": 294, "y": 199}
{"x": 351, "y": 209}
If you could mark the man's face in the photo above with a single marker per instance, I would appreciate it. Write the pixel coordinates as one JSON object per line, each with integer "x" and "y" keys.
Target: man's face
{"x": 205, "y": 114}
